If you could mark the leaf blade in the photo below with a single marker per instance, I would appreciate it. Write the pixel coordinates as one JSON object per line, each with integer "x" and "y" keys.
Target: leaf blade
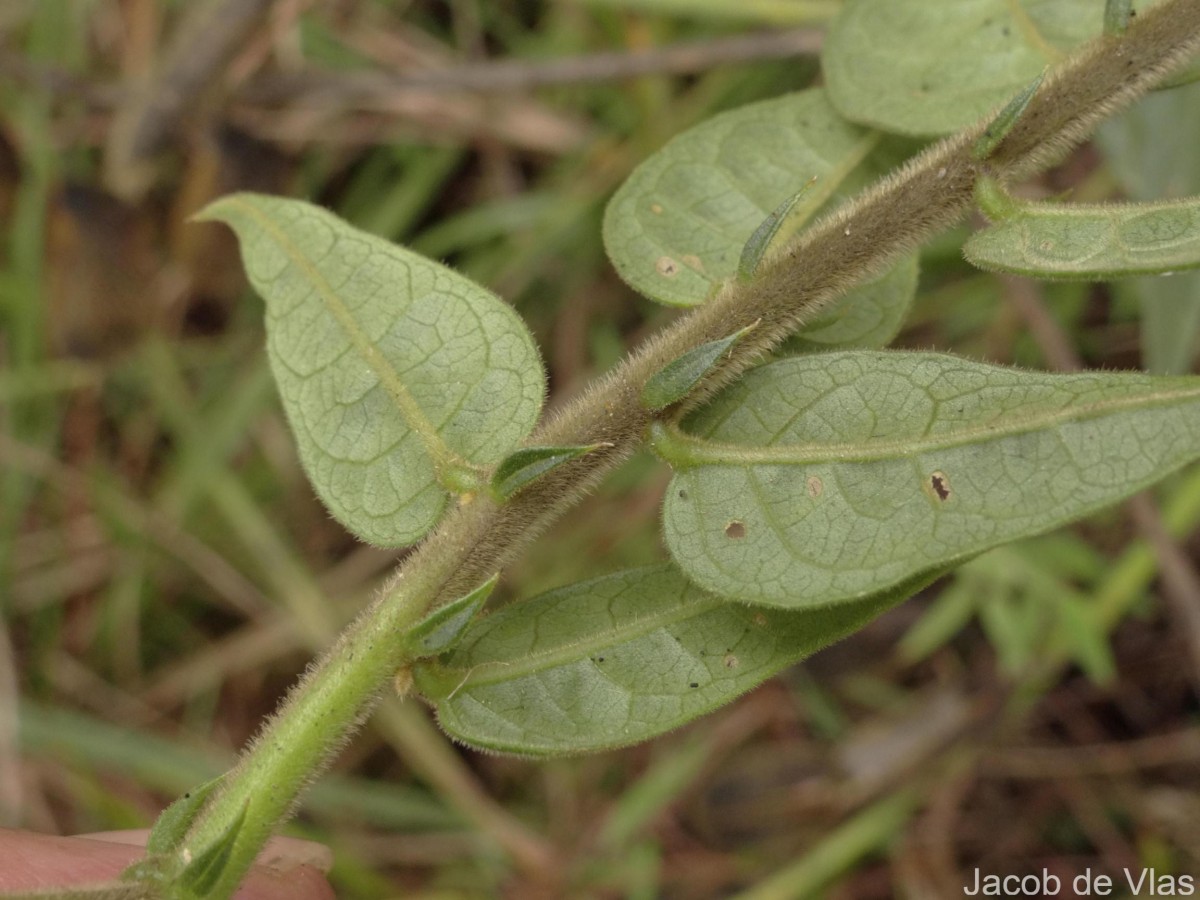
{"x": 526, "y": 465}
{"x": 877, "y": 58}
{"x": 619, "y": 659}
{"x": 676, "y": 379}
{"x": 393, "y": 370}
{"x": 1090, "y": 242}
{"x": 676, "y": 228}
{"x": 1150, "y": 168}
{"x": 819, "y": 479}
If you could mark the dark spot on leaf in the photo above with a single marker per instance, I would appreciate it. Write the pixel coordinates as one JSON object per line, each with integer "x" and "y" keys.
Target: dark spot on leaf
{"x": 694, "y": 684}
{"x": 940, "y": 485}
{"x": 599, "y": 659}
{"x": 683, "y": 495}
{"x": 735, "y": 530}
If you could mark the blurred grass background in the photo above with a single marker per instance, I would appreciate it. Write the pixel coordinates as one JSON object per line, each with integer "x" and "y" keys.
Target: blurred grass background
{"x": 165, "y": 572}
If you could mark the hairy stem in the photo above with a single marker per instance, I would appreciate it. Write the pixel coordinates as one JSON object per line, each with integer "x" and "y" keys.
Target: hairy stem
{"x": 931, "y": 192}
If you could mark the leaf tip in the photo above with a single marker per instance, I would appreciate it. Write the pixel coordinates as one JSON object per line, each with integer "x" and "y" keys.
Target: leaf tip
{"x": 676, "y": 379}
{"x": 442, "y": 629}
{"x": 1005, "y": 120}
{"x": 223, "y": 209}
{"x": 527, "y": 464}
{"x": 756, "y": 246}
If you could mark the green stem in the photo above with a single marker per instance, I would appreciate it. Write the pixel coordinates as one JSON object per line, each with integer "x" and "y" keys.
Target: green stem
{"x": 860, "y": 239}
{"x": 328, "y": 705}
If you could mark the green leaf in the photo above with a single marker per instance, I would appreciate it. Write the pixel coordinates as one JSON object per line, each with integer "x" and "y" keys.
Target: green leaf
{"x": 204, "y": 871}
{"x": 620, "y": 659}
{"x": 528, "y": 464}
{"x": 764, "y": 235}
{"x": 1116, "y": 16}
{"x": 867, "y": 318}
{"x": 174, "y": 821}
{"x": 1000, "y": 126}
{"x": 824, "y": 478}
{"x": 676, "y": 228}
{"x": 443, "y": 628}
{"x": 677, "y": 378}
{"x": 927, "y": 67}
{"x": 1150, "y": 168}
{"x": 396, "y": 373}
{"x": 1090, "y": 242}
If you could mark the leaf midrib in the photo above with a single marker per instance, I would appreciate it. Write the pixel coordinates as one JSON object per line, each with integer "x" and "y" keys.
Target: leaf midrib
{"x": 701, "y": 451}
{"x": 388, "y": 377}
{"x": 497, "y": 671}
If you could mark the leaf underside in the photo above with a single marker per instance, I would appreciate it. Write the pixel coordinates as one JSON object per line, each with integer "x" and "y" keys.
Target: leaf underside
{"x": 620, "y": 659}
{"x": 821, "y": 479}
{"x": 391, "y": 367}
{"x": 1150, "y": 168}
{"x": 676, "y": 228}
{"x": 930, "y": 67}
{"x": 1092, "y": 242}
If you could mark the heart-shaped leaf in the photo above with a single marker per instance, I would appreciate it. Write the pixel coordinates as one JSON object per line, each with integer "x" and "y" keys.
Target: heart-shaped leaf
{"x": 620, "y": 659}
{"x": 824, "y": 478}
{"x": 398, "y": 375}
{"x": 677, "y": 227}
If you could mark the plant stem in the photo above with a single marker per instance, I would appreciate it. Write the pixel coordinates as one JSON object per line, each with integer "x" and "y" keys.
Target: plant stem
{"x": 931, "y": 192}
{"x": 322, "y": 711}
